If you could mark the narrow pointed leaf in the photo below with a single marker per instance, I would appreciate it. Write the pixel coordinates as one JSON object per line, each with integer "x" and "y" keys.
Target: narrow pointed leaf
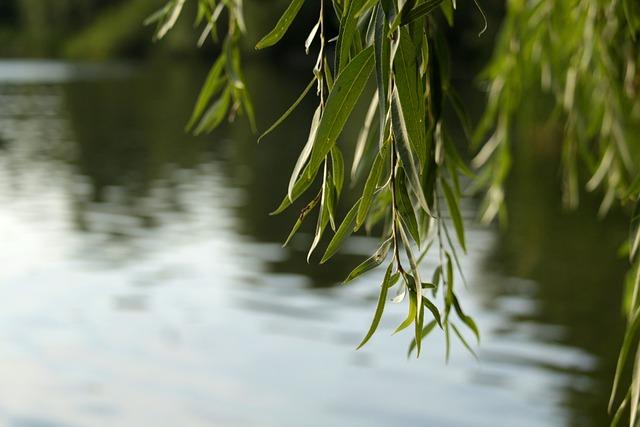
{"x": 411, "y": 314}
{"x": 282, "y": 26}
{"x": 409, "y": 89}
{"x": 345, "y": 229}
{"x": 289, "y": 110}
{"x": 425, "y": 332}
{"x": 371, "y": 262}
{"x": 341, "y": 101}
{"x": 454, "y": 210}
{"x": 370, "y": 187}
{"x": 382, "y": 299}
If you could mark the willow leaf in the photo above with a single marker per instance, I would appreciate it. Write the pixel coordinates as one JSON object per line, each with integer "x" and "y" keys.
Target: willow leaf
{"x": 304, "y": 154}
{"x": 341, "y": 101}
{"x": 466, "y": 319}
{"x": 405, "y": 152}
{"x": 337, "y": 167}
{"x": 212, "y": 84}
{"x": 409, "y": 87}
{"x": 382, "y": 299}
{"x": 215, "y": 114}
{"x": 454, "y": 210}
{"x": 345, "y": 229}
{"x": 405, "y": 207}
{"x": 371, "y": 262}
{"x": 425, "y": 332}
{"x": 383, "y": 68}
{"x": 420, "y": 10}
{"x": 370, "y": 187}
{"x": 634, "y": 236}
{"x": 282, "y": 26}
{"x": 348, "y": 29}
{"x": 433, "y": 309}
{"x": 289, "y": 110}
{"x": 303, "y": 183}
{"x": 629, "y": 337}
{"x": 463, "y": 340}
{"x": 303, "y": 215}
{"x": 411, "y": 314}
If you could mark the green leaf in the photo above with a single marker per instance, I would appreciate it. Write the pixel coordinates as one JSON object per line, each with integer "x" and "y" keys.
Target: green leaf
{"x": 410, "y": 91}
{"x": 460, "y": 110}
{"x": 433, "y": 309}
{"x": 325, "y": 214}
{"x": 215, "y": 114}
{"x": 403, "y": 147}
{"x": 282, "y": 26}
{"x": 454, "y": 210}
{"x": 342, "y": 99}
{"x": 383, "y": 68}
{"x": 420, "y": 10}
{"x": 304, "y": 154}
{"x": 463, "y": 341}
{"x": 411, "y": 315}
{"x": 327, "y": 74}
{"x": 466, "y": 319}
{"x": 337, "y": 167}
{"x": 303, "y": 183}
{"x": 634, "y": 235}
{"x": 629, "y": 338}
{"x": 370, "y": 187}
{"x": 345, "y": 229}
{"x": 364, "y": 137}
{"x": 371, "y": 262}
{"x": 382, "y": 299}
{"x": 425, "y": 332}
{"x": 348, "y": 30}
{"x": 303, "y": 214}
{"x": 405, "y": 207}
{"x": 214, "y": 82}
{"x": 289, "y": 110}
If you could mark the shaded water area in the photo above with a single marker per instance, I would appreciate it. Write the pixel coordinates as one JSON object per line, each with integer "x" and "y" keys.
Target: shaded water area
{"x": 142, "y": 282}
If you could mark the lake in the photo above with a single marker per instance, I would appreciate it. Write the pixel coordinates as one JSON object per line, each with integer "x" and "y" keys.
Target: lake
{"x": 143, "y": 283}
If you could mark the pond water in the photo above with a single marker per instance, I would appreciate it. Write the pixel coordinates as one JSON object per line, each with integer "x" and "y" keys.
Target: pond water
{"x": 142, "y": 282}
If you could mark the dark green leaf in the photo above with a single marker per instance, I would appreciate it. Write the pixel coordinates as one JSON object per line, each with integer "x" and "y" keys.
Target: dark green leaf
{"x": 463, "y": 341}
{"x": 634, "y": 235}
{"x": 345, "y": 229}
{"x": 212, "y": 84}
{"x": 382, "y": 299}
{"x": 466, "y": 319}
{"x": 215, "y": 114}
{"x": 303, "y": 214}
{"x": 383, "y": 68}
{"x": 433, "y": 309}
{"x": 410, "y": 91}
{"x": 454, "y": 210}
{"x": 342, "y": 99}
{"x": 348, "y": 29}
{"x": 289, "y": 110}
{"x": 337, "y": 167}
{"x": 411, "y": 315}
{"x": 282, "y": 26}
{"x": 371, "y": 262}
{"x": 421, "y": 10}
{"x": 405, "y": 207}
{"x": 425, "y": 331}
{"x": 370, "y": 187}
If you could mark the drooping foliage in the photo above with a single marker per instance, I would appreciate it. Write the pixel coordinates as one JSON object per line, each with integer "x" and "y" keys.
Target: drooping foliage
{"x": 407, "y": 173}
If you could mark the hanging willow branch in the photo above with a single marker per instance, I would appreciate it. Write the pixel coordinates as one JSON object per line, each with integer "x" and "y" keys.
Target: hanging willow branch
{"x": 584, "y": 53}
{"x": 410, "y": 188}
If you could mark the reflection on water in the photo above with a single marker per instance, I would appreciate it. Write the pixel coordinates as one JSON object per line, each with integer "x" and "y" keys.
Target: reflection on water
{"x": 143, "y": 284}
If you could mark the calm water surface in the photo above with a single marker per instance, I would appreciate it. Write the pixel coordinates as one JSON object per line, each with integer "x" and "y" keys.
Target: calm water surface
{"x": 142, "y": 282}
